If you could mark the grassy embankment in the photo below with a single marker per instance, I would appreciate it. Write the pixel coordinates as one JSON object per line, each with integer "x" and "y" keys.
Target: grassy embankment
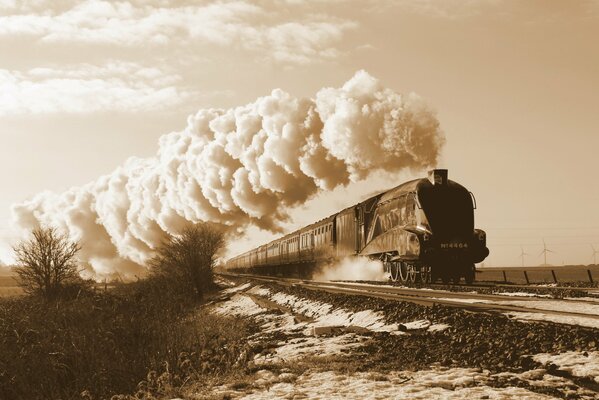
{"x": 142, "y": 338}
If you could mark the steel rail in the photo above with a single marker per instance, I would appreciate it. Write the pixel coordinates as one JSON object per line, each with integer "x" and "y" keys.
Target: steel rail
{"x": 419, "y": 296}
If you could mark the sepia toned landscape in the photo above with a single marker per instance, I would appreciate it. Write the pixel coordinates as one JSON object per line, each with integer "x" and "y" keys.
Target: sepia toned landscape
{"x": 299, "y": 199}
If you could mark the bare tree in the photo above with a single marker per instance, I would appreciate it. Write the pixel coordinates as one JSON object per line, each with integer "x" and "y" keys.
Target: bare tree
{"x": 188, "y": 258}
{"x": 46, "y": 262}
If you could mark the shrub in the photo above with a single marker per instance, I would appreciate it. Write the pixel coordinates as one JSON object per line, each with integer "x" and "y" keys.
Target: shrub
{"x": 187, "y": 260}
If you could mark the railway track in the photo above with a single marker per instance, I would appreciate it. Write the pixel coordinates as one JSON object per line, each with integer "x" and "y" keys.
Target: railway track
{"x": 488, "y": 286}
{"x": 585, "y": 312}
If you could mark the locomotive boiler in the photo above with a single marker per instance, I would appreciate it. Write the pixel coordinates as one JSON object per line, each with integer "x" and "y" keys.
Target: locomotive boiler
{"x": 422, "y": 230}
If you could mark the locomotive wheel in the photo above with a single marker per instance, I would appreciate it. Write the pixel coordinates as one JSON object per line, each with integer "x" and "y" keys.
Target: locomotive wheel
{"x": 394, "y": 269}
{"x": 403, "y": 271}
{"x": 425, "y": 274}
{"x": 411, "y": 273}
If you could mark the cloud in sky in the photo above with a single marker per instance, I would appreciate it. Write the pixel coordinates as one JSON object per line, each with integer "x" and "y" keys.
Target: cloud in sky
{"x": 287, "y": 38}
{"x": 443, "y": 9}
{"x": 84, "y": 88}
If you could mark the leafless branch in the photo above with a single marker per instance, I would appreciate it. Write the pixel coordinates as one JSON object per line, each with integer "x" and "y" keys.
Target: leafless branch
{"x": 46, "y": 261}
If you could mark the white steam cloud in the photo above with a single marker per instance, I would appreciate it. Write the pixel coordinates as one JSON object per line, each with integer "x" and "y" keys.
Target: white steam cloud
{"x": 352, "y": 269}
{"x": 242, "y": 166}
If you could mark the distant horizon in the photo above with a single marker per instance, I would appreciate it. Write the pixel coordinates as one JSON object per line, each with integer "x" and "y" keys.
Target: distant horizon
{"x": 5, "y": 270}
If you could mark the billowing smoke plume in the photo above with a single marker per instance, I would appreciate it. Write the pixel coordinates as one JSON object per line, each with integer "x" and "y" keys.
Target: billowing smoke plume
{"x": 240, "y": 166}
{"x": 353, "y": 269}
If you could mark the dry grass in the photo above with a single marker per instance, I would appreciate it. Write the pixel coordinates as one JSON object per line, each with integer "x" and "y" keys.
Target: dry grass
{"x": 9, "y": 287}
{"x": 141, "y": 337}
{"x": 10, "y": 291}
{"x": 8, "y": 281}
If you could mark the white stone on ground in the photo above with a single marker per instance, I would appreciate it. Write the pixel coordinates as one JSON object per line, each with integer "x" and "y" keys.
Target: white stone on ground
{"x": 420, "y": 324}
{"x": 438, "y": 327}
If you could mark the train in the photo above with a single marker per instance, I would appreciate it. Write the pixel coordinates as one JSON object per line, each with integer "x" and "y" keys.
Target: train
{"x": 422, "y": 231}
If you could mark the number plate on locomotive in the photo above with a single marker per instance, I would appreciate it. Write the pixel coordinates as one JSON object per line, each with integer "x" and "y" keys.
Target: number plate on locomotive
{"x": 454, "y": 245}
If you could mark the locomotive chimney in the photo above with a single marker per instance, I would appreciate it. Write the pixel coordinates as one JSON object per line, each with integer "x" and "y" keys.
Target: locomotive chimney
{"x": 438, "y": 176}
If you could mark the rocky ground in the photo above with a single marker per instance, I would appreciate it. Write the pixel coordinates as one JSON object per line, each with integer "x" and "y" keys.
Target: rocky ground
{"x": 321, "y": 345}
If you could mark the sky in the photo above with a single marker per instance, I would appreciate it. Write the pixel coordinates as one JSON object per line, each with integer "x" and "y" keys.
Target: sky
{"x": 84, "y": 86}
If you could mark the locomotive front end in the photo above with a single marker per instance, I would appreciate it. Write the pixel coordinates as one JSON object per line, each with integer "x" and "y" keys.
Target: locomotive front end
{"x": 450, "y": 245}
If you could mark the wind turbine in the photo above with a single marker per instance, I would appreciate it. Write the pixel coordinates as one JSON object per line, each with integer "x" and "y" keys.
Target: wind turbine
{"x": 545, "y": 251}
{"x": 522, "y": 254}
{"x": 595, "y": 252}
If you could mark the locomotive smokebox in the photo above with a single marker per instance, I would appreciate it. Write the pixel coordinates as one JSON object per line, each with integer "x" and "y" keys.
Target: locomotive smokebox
{"x": 438, "y": 176}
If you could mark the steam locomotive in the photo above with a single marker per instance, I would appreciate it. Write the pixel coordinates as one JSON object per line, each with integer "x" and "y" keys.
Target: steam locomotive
{"x": 422, "y": 231}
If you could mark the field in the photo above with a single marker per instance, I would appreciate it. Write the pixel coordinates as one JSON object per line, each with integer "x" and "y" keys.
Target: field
{"x": 541, "y": 274}
{"x": 9, "y": 287}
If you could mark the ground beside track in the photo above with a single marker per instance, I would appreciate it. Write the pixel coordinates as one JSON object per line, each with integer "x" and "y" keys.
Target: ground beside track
{"x": 340, "y": 346}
